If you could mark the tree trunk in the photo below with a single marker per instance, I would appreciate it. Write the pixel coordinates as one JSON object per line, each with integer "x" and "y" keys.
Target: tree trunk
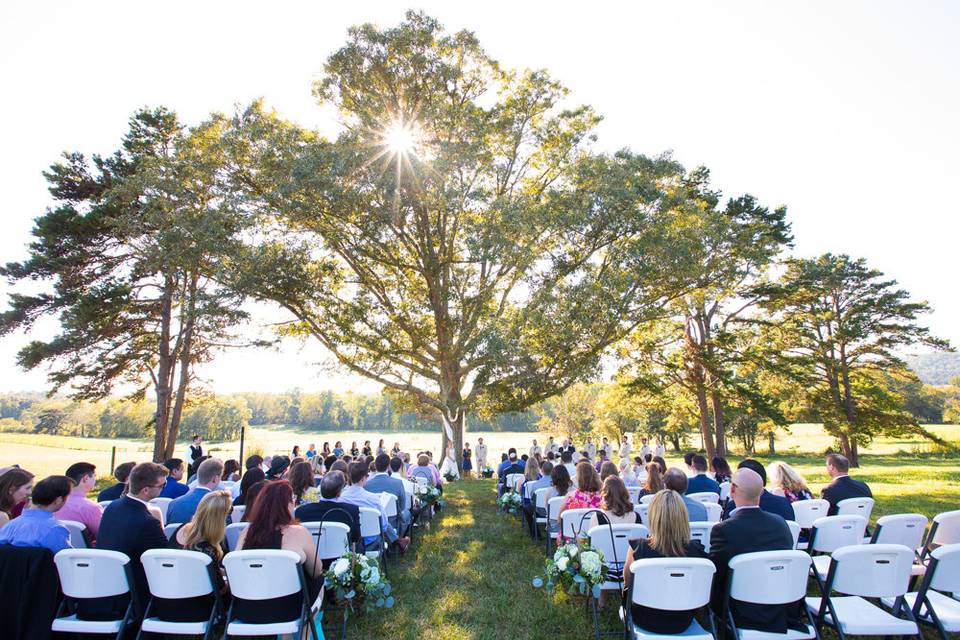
{"x": 718, "y": 425}
{"x": 186, "y": 352}
{"x": 675, "y": 441}
{"x": 845, "y": 445}
{"x": 854, "y": 456}
{"x": 771, "y": 443}
{"x": 705, "y": 429}
{"x": 164, "y": 366}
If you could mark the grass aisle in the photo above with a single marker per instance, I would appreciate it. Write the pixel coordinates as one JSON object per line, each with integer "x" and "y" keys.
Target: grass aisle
{"x": 469, "y": 576}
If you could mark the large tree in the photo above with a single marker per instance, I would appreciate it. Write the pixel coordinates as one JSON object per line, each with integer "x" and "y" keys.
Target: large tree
{"x": 458, "y": 242}
{"x": 839, "y": 324}
{"x": 130, "y": 252}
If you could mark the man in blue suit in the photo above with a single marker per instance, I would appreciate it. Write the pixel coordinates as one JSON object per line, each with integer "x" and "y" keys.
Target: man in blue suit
{"x": 768, "y": 502}
{"x": 381, "y": 482}
{"x": 208, "y": 478}
{"x": 676, "y": 480}
{"x": 128, "y": 527}
{"x": 174, "y": 488}
{"x": 701, "y": 482}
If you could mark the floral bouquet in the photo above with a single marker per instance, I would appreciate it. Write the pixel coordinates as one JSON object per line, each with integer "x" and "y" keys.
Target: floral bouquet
{"x": 310, "y": 495}
{"x": 577, "y": 569}
{"x": 510, "y": 502}
{"x": 486, "y": 472}
{"x": 356, "y": 579}
{"x": 428, "y": 495}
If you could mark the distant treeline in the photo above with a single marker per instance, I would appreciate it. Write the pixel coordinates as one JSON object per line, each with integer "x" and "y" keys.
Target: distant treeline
{"x": 221, "y": 417}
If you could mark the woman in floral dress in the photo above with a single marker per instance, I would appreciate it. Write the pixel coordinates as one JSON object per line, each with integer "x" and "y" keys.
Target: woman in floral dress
{"x": 585, "y": 496}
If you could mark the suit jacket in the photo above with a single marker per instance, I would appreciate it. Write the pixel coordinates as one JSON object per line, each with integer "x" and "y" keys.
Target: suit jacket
{"x": 695, "y": 510}
{"x": 29, "y": 591}
{"x": 382, "y": 483}
{"x": 183, "y": 508}
{"x": 701, "y": 483}
{"x": 174, "y": 489}
{"x": 770, "y": 503}
{"x": 746, "y": 531}
{"x": 317, "y": 511}
{"x": 129, "y": 528}
{"x": 114, "y": 492}
{"x": 842, "y": 488}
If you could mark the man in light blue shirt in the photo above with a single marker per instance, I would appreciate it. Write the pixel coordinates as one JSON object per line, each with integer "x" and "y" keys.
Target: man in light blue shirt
{"x": 357, "y": 495}
{"x": 676, "y": 480}
{"x": 36, "y": 526}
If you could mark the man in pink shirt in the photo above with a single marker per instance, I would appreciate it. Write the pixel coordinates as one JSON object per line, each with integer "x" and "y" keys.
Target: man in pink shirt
{"x": 78, "y": 508}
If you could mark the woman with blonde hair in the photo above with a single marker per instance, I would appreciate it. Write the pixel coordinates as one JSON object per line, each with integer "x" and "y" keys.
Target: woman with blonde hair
{"x": 654, "y": 481}
{"x": 669, "y": 538}
{"x": 531, "y": 473}
{"x": 788, "y": 483}
{"x": 205, "y": 533}
{"x": 587, "y": 492}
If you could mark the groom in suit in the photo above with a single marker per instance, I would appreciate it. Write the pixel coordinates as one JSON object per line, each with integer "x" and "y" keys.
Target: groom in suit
{"x": 749, "y": 528}
{"x": 842, "y": 486}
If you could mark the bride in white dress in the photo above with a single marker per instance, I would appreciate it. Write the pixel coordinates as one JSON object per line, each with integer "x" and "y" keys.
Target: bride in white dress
{"x": 449, "y": 466}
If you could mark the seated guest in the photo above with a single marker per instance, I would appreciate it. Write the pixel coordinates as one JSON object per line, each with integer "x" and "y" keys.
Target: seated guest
{"x": 654, "y": 482}
{"x": 749, "y": 528}
{"x": 787, "y": 482}
{"x": 561, "y": 484}
{"x": 301, "y": 479}
{"x": 768, "y": 502}
{"x": 250, "y": 498}
{"x": 316, "y": 466}
{"x": 660, "y": 463}
{"x": 608, "y": 469}
{"x": 37, "y": 526}
{"x": 208, "y": 479}
{"x": 422, "y": 470}
{"x": 531, "y": 473}
{"x": 356, "y": 494}
{"x": 530, "y": 487}
{"x": 669, "y": 538}
{"x": 278, "y": 467}
{"x": 78, "y": 508}
{"x": 174, "y": 488}
{"x": 272, "y": 526}
{"x": 250, "y": 478}
{"x": 721, "y": 470}
{"x": 676, "y": 480}
{"x": 231, "y": 471}
{"x": 701, "y": 482}
{"x": 330, "y": 509}
{"x": 205, "y": 533}
{"x": 615, "y": 504}
{"x": 381, "y": 482}
{"x": 192, "y": 470}
{"x": 121, "y": 473}
{"x": 688, "y": 461}
{"x": 128, "y": 527}
{"x": 601, "y": 458}
{"x": 842, "y": 486}
{"x": 566, "y": 459}
{"x": 252, "y": 462}
{"x": 627, "y": 474}
{"x": 15, "y": 488}
{"x": 585, "y": 496}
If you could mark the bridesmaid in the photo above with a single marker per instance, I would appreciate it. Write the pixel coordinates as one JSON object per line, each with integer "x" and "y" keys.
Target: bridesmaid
{"x": 467, "y": 462}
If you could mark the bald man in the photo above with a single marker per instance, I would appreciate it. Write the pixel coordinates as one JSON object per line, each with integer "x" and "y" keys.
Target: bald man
{"x": 747, "y": 530}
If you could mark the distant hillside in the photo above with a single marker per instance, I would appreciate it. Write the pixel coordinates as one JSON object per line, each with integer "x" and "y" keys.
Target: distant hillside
{"x": 935, "y": 368}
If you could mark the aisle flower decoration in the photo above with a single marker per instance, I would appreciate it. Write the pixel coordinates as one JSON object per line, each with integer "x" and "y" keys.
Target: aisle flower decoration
{"x": 355, "y": 580}
{"x": 510, "y": 502}
{"x": 577, "y": 569}
{"x": 486, "y": 472}
{"x": 428, "y": 495}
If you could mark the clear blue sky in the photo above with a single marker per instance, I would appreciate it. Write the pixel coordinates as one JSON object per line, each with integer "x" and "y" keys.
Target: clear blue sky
{"x": 846, "y": 112}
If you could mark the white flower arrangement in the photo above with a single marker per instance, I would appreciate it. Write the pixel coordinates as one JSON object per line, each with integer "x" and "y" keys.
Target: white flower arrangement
{"x": 356, "y": 578}
{"x": 576, "y": 568}
{"x": 428, "y": 495}
{"x": 510, "y": 502}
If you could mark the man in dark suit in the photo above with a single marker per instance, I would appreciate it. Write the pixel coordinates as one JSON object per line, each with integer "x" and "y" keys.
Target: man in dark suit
{"x": 768, "y": 502}
{"x": 749, "y": 528}
{"x": 329, "y": 509}
{"x": 114, "y": 492}
{"x": 701, "y": 482}
{"x": 842, "y": 486}
{"x": 129, "y": 528}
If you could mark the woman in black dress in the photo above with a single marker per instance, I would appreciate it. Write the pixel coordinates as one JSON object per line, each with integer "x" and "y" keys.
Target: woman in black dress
{"x": 367, "y": 451}
{"x": 669, "y": 538}
{"x": 467, "y": 464}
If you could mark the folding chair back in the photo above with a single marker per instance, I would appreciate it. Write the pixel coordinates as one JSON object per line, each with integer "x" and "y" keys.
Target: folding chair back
{"x": 634, "y": 494}
{"x": 233, "y": 534}
{"x": 647, "y": 498}
{"x": 513, "y": 479}
{"x": 642, "y": 510}
{"x": 769, "y": 577}
{"x": 672, "y": 584}
{"x": 613, "y": 540}
{"x": 163, "y": 504}
{"x": 334, "y": 538}
{"x": 945, "y": 528}
{"x": 262, "y": 574}
{"x": 724, "y": 491}
{"x": 369, "y": 522}
{"x": 832, "y": 532}
{"x": 714, "y": 511}
{"x": 872, "y": 570}
{"x": 177, "y": 573}
{"x": 807, "y": 511}
{"x": 391, "y": 507}
{"x": 903, "y": 528}
{"x": 576, "y": 522}
{"x": 540, "y": 498}
{"x": 794, "y": 531}
{"x": 171, "y": 529}
{"x": 946, "y": 574}
{"x": 701, "y": 531}
{"x": 92, "y": 573}
{"x": 237, "y": 514}
{"x": 855, "y": 507}
{"x": 76, "y": 529}
{"x": 705, "y": 496}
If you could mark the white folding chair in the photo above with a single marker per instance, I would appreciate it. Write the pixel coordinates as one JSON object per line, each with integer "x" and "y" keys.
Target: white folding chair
{"x": 861, "y": 571}
{"x": 714, "y": 511}
{"x": 613, "y": 541}
{"x": 807, "y": 511}
{"x": 701, "y": 531}
{"x": 333, "y": 538}
{"x": 931, "y": 604}
{"x": 671, "y": 584}
{"x": 233, "y": 534}
{"x": 237, "y": 514}
{"x": 705, "y": 497}
{"x": 724, "y": 491}
{"x": 795, "y": 532}
{"x": 575, "y": 523}
{"x": 634, "y": 493}
{"x": 642, "y": 510}
{"x": 267, "y": 574}
{"x": 77, "y": 537}
{"x": 513, "y": 479}
{"x": 540, "y": 506}
{"x": 103, "y": 505}
{"x": 553, "y": 515}
{"x": 907, "y": 529}
{"x": 768, "y": 578}
{"x": 171, "y": 529}
{"x": 163, "y": 504}
{"x": 227, "y": 484}
{"x": 829, "y": 534}
{"x": 945, "y": 529}
{"x": 93, "y": 573}
{"x": 856, "y": 507}
{"x": 370, "y": 528}
{"x": 177, "y": 574}
{"x": 647, "y": 498}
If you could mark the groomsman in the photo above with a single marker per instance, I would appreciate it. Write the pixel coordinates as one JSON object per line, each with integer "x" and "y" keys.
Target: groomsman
{"x": 481, "y": 451}
{"x": 607, "y": 448}
{"x": 591, "y": 449}
{"x": 536, "y": 450}
{"x": 625, "y": 449}
{"x": 196, "y": 450}
{"x": 660, "y": 450}
{"x": 644, "y": 450}
{"x": 568, "y": 447}
{"x": 552, "y": 446}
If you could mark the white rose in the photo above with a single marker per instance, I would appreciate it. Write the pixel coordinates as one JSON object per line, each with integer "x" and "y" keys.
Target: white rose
{"x": 341, "y": 567}
{"x": 562, "y": 564}
{"x": 573, "y": 550}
